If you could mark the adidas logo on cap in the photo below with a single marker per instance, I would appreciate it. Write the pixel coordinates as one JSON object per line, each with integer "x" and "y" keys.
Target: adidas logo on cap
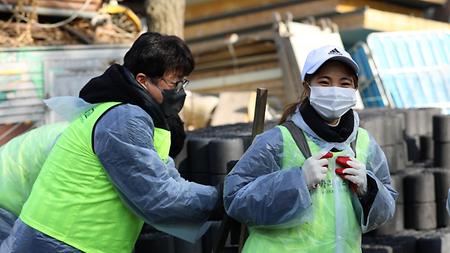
{"x": 335, "y": 51}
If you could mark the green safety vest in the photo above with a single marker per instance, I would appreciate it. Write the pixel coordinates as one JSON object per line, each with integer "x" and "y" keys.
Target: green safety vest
{"x": 333, "y": 227}
{"x": 73, "y": 199}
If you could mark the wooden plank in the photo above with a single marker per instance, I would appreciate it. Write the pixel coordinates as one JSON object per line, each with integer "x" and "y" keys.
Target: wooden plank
{"x": 9, "y": 131}
{"x": 222, "y": 81}
{"x": 233, "y": 70}
{"x": 420, "y": 3}
{"x": 376, "y": 20}
{"x": 262, "y": 47}
{"x": 351, "y": 5}
{"x": 350, "y": 20}
{"x": 220, "y": 43}
{"x": 288, "y": 64}
{"x": 228, "y": 25}
{"x": 232, "y": 108}
{"x": 442, "y": 13}
{"x": 274, "y": 86}
{"x": 215, "y": 7}
{"x": 239, "y": 62}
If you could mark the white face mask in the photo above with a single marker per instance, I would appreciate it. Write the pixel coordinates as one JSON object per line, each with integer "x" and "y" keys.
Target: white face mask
{"x": 332, "y": 102}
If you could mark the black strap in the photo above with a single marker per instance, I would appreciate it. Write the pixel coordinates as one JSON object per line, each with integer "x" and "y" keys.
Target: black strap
{"x": 301, "y": 142}
{"x": 299, "y": 138}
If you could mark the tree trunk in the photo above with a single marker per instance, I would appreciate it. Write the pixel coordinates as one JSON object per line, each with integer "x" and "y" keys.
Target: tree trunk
{"x": 166, "y": 16}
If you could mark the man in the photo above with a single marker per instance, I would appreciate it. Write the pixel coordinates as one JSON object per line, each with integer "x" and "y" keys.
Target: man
{"x": 21, "y": 160}
{"x": 110, "y": 169}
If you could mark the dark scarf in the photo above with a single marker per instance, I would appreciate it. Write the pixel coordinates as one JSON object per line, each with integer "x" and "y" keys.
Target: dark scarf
{"x": 339, "y": 133}
{"x": 118, "y": 84}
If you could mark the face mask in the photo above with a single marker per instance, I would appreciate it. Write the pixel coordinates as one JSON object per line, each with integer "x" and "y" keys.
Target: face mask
{"x": 173, "y": 101}
{"x": 332, "y": 102}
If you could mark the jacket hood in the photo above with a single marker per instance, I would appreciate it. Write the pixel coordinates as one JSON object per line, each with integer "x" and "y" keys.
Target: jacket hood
{"x": 117, "y": 84}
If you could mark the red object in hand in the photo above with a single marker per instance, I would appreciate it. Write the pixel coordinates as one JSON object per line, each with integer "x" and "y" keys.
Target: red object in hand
{"x": 340, "y": 172}
{"x": 327, "y": 155}
{"x": 342, "y": 160}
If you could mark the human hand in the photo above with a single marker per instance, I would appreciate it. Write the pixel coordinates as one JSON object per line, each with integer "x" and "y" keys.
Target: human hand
{"x": 357, "y": 175}
{"x": 315, "y": 169}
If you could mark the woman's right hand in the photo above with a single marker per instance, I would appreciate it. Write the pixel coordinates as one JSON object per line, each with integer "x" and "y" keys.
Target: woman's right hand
{"x": 315, "y": 169}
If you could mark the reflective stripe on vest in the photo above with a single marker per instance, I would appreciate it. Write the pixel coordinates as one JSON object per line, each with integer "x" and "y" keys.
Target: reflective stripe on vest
{"x": 334, "y": 226}
{"x": 73, "y": 199}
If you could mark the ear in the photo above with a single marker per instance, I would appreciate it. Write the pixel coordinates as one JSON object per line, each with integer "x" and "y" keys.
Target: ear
{"x": 141, "y": 79}
{"x": 306, "y": 88}
{"x": 355, "y": 79}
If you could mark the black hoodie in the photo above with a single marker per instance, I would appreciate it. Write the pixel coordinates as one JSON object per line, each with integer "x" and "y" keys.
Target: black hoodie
{"x": 117, "y": 84}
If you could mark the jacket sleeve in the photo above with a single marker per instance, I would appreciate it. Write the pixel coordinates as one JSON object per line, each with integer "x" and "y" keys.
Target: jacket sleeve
{"x": 258, "y": 192}
{"x": 173, "y": 172}
{"x": 383, "y": 206}
{"x": 123, "y": 142}
{"x": 7, "y": 220}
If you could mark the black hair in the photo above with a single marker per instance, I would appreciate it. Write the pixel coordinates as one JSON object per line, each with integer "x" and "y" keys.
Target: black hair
{"x": 290, "y": 108}
{"x": 155, "y": 54}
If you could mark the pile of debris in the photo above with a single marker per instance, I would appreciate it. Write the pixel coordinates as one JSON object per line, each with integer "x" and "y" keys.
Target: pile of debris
{"x": 66, "y": 23}
{"x": 236, "y": 48}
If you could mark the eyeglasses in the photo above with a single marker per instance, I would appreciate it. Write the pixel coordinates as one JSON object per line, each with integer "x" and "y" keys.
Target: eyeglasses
{"x": 179, "y": 85}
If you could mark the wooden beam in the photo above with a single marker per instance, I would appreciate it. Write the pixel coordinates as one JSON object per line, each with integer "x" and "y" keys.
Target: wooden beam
{"x": 288, "y": 63}
{"x": 229, "y": 25}
{"x": 231, "y": 80}
{"x": 233, "y": 70}
{"x": 215, "y": 7}
{"x": 239, "y": 61}
{"x": 237, "y": 51}
{"x": 352, "y": 5}
{"x": 442, "y": 13}
{"x": 220, "y": 43}
{"x": 274, "y": 86}
{"x": 9, "y": 131}
{"x": 419, "y": 3}
{"x": 376, "y": 20}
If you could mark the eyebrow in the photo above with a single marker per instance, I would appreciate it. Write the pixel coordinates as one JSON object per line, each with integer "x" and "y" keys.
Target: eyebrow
{"x": 341, "y": 79}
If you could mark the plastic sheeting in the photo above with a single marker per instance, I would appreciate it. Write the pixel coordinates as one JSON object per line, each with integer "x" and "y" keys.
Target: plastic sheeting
{"x": 26, "y": 239}
{"x": 448, "y": 202}
{"x": 6, "y": 223}
{"x": 21, "y": 160}
{"x": 68, "y": 107}
{"x": 405, "y": 69}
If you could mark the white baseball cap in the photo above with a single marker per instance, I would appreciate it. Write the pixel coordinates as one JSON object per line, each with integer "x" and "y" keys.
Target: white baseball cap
{"x": 319, "y": 56}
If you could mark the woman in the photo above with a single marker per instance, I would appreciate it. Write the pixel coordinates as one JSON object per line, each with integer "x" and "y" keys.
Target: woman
{"x": 318, "y": 180}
